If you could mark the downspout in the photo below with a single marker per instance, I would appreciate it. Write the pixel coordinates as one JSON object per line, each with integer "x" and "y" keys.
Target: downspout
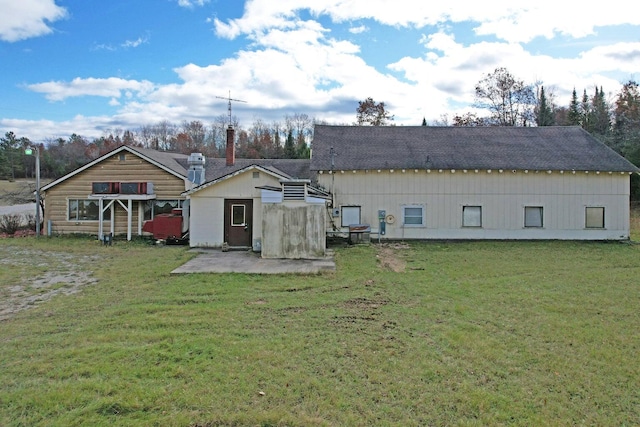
{"x": 333, "y": 179}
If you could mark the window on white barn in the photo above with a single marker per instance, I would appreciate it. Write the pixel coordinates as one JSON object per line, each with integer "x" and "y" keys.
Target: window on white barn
{"x": 472, "y": 216}
{"x": 350, "y": 215}
{"x": 594, "y": 217}
{"x": 533, "y": 216}
{"x": 413, "y": 216}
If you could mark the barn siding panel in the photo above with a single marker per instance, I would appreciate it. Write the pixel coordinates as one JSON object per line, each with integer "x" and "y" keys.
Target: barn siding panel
{"x": 502, "y": 196}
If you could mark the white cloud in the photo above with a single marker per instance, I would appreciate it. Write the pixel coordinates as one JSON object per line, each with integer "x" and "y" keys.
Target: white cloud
{"x": 293, "y": 65}
{"x": 359, "y": 29}
{"x": 110, "y": 87}
{"x": 449, "y": 70}
{"x": 192, "y": 3}
{"x": 135, "y": 43}
{"x": 24, "y": 19}
{"x": 515, "y": 22}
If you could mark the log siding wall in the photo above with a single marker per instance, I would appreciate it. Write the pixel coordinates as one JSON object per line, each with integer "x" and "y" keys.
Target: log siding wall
{"x": 131, "y": 169}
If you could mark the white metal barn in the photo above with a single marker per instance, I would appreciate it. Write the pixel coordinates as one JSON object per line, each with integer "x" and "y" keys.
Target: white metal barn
{"x": 473, "y": 183}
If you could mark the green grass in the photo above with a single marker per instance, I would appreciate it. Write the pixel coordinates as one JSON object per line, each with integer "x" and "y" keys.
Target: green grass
{"x": 471, "y": 334}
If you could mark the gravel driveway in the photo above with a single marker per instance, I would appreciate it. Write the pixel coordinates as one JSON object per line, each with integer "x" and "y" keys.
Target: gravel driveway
{"x": 26, "y": 209}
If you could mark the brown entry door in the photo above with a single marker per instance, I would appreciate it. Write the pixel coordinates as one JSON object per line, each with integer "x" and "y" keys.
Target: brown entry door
{"x": 238, "y": 221}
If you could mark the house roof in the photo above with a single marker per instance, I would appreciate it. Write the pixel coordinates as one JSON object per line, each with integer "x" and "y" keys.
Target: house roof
{"x": 170, "y": 162}
{"x": 216, "y": 167}
{"x": 220, "y": 173}
{"x": 427, "y": 147}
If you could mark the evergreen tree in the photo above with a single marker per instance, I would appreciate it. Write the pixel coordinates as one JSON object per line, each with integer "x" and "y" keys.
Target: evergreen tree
{"x": 573, "y": 116}
{"x": 626, "y": 127}
{"x": 10, "y": 146}
{"x": 585, "y": 111}
{"x": 600, "y": 120}
{"x": 289, "y": 146}
{"x": 424, "y": 121}
{"x": 544, "y": 112}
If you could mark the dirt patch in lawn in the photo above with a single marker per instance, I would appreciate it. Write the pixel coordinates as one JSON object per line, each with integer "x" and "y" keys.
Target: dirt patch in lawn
{"x": 41, "y": 276}
{"x": 389, "y": 256}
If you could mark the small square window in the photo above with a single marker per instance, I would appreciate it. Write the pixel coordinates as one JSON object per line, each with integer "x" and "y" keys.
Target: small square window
{"x": 350, "y": 215}
{"x": 256, "y": 175}
{"x": 413, "y": 216}
{"x": 533, "y": 216}
{"x": 122, "y": 157}
{"x": 472, "y": 216}
{"x": 594, "y": 217}
{"x": 237, "y": 215}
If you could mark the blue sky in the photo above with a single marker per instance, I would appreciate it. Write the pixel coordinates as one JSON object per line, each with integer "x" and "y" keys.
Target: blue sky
{"x": 94, "y": 67}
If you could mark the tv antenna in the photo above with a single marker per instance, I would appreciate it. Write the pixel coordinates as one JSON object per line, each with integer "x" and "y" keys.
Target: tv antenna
{"x": 228, "y": 98}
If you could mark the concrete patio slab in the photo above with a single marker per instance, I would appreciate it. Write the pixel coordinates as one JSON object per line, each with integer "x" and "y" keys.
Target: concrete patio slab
{"x": 249, "y": 262}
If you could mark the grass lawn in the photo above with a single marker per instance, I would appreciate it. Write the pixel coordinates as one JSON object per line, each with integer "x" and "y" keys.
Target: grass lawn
{"x": 469, "y": 334}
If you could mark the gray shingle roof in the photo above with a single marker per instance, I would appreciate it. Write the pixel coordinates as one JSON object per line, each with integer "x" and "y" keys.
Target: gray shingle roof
{"x": 216, "y": 168}
{"x": 172, "y": 161}
{"x": 427, "y": 147}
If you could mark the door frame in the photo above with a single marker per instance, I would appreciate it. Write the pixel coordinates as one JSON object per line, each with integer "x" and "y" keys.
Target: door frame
{"x": 238, "y": 234}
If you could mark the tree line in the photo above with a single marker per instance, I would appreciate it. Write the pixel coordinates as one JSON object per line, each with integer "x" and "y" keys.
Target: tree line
{"x": 510, "y": 101}
{"x": 289, "y": 139}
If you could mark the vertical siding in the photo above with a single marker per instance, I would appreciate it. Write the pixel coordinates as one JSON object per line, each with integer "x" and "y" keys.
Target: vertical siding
{"x": 503, "y": 197}
{"x": 293, "y": 230}
{"x": 112, "y": 169}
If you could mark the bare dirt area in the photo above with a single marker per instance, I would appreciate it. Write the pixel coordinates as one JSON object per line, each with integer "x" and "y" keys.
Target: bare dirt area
{"x": 389, "y": 258}
{"x": 53, "y": 274}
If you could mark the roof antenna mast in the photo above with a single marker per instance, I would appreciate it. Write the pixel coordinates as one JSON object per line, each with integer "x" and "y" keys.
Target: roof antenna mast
{"x": 228, "y": 98}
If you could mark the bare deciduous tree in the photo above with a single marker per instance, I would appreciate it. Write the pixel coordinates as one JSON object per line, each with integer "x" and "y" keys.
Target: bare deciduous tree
{"x": 509, "y": 101}
{"x": 371, "y": 113}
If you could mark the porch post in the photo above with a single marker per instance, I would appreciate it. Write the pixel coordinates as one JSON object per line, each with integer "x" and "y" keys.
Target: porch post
{"x": 100, "y": 215}
{"x": 129, "y": 212}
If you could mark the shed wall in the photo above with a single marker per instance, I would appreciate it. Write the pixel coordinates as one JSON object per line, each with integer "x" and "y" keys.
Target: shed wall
{"x": 206, "y": 225}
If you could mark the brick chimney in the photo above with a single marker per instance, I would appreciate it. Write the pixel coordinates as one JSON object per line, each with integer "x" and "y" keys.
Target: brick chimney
{"x": 231, "y": 146}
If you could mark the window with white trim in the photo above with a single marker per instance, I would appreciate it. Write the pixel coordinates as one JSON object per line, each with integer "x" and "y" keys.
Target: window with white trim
{"x": 159, "y": 206}
{"x": 472, "y": 216}
{"x": 350, "y": 215}
{"x": 413, "y": 216}
{"x": 238, "y": 215}
{"x": 594, "y": 217}
{"x": 85, "y": 210}
{"x": 533, "y": 216}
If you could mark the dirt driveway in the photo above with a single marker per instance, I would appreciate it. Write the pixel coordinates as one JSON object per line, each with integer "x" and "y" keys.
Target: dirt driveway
{"x": 54, "y": 273}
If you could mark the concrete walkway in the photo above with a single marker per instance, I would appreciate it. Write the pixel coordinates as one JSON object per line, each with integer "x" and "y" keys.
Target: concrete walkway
{"x": 249, "y": 262}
